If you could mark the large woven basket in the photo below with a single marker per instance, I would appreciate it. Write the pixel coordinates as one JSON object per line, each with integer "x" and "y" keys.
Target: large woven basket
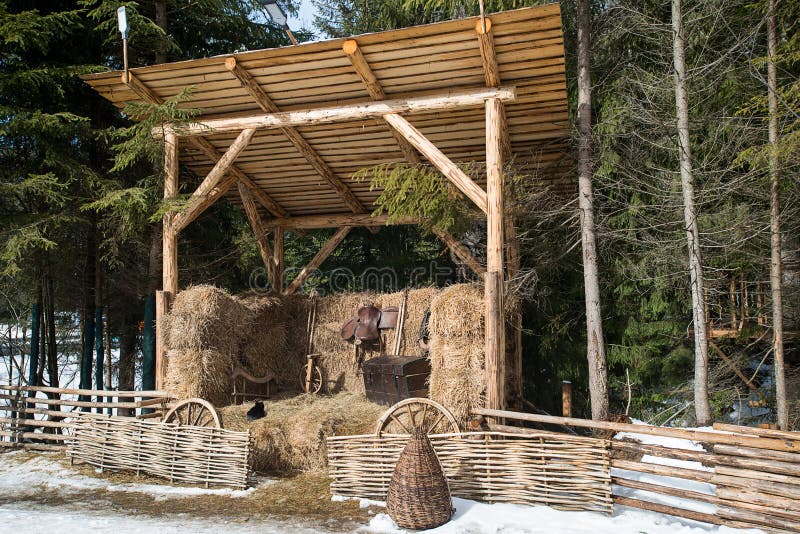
{"x": 419, "y": 497}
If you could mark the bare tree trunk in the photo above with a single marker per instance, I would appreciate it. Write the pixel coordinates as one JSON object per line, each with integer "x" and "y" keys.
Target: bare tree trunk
{"x": 701, "y": 404}
{"x": 775, "y": 274}
{"x": 161, "y": 21}
{"x": 595, "y": 350}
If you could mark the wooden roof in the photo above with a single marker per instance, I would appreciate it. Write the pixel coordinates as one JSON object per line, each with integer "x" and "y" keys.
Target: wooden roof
{"x": 433, "y": 58}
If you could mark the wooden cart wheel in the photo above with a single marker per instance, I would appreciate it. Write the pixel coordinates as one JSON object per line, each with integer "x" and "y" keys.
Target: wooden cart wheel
{"x": 194, "y": 412}
{"x": 316, "y": 379}
{"x": 403, "y": 417}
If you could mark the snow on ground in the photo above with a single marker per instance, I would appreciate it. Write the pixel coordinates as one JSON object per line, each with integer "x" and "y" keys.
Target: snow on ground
{"x": 38, "y": 519}
{"x": 23, "y": 474}
{"x": 473, "y": 518}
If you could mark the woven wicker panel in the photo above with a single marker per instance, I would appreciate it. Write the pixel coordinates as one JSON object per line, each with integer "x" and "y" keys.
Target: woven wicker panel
{"x": 418, "y": 496}
{"x": 564, "y": 472}
{"x": 186, "y": 454}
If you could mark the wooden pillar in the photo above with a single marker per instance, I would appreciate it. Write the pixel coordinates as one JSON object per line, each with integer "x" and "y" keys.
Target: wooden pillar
{"x": 163, "y": 303}
{"x": 169, "y": 270}
{"x": 170, "y": 243}
{"x": 495, "y": 323}
{"x": 278, "y": 257}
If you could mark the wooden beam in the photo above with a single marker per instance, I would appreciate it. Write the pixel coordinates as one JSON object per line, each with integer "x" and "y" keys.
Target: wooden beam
{"x": 463, "y": 182}
{"x": 335, "y": 221}
{"x": 486, "y": 42}
{"x": 204, "y": 146}
{"x": 169, "y": 270}
{"x": 317, "y": 260}
{"x": 295, "y": 137}
{"x": 495, "y": 317}
{"x": 461, "y": 252}
{"x": 278, "y": 256}
{"x": 375, "y": 91}
{"x": 491, "y": 72}
{"x": 454, "y": 99}
{"x": 209, "y": 189}
{"x": 263, "y": 198}
{"x": 259, "y": 231}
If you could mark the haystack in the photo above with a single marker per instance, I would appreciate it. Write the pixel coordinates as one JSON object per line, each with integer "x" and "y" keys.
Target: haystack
{"x": 457, "y": 348}
{"x": 203, "y": 332}
{"x": 292, "y": 435}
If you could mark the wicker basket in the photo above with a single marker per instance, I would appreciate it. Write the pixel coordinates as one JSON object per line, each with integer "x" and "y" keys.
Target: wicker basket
{"x": 419, "y": 497}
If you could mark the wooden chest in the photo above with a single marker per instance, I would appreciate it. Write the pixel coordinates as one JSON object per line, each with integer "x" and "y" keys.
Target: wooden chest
{"x": 390, "y": 379}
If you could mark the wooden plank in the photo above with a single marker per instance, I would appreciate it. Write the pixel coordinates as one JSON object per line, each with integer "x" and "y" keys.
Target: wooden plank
{"x": 259, "y": 231}
{"x": 267, "y": 105}
{"x": 453, "y": 99}
{"x": 453, "y": 173}
{"x": 317, "y": 260}
{"x": 669, "y": 510}
{"x": 495, "y": 360}
{"x": 753, "y": 431}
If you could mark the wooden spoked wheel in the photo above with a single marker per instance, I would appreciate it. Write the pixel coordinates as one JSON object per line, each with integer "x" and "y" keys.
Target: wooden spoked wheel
{"x": 316, "y": 379}
{"x": 194, "y": 412}
{"x": 402, "y": 418}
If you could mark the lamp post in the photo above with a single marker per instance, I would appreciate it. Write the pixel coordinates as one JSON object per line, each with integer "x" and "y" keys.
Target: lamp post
{"x": 278, "y": 17}
{"x": 122, "y": 20}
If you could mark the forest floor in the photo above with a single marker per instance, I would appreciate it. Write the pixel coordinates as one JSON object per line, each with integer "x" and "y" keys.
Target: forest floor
{"x": 43, "y": 493}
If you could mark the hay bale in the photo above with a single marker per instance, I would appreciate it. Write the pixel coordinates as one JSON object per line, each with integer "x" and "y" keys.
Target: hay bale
{"x": 265, "y": 346}
{"x": 291, "y": 437}
{"x": 457, "y": 349}
{"x": 199, "y": 373}
{"x": 203, "y": 332}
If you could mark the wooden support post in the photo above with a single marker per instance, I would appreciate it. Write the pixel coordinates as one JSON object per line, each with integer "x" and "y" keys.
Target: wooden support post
{"x": 170, "y": 235}
{"x": 163, "y": 305}
{"x": 260, "y": 233}
{"x": 278, "y": 257}
{"x": 566, "y": 398}
{"x": 495, "y": 321}
{"x": 463, "y": 182}
{"x": 454, "y": 99}
{"x": 461, "y": 252}
{"x": 317, "y": 260}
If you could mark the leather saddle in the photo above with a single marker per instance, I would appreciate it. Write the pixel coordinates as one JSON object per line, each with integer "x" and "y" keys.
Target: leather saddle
{"x": 366, "y": 326}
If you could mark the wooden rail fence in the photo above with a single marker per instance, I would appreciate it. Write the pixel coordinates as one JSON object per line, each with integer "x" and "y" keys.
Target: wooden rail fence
{"x": 43, "y": 418}
{"x": 736, "y": 476}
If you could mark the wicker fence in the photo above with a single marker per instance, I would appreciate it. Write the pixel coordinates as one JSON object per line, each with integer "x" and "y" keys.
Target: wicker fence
{"x": 43, "y": 418}
{"x": 183, "y": 454}
{"x": 564, "y": 472}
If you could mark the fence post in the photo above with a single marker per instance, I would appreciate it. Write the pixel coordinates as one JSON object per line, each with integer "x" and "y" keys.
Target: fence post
{"x": 566, "y": 398}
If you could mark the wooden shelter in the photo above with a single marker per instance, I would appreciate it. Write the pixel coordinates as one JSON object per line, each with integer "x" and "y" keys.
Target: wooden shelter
{"x": 282, "y": 131}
